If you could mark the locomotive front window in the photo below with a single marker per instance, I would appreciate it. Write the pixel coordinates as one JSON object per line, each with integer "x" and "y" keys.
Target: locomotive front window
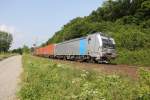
{"x": 89, "y": 39}
{"x": 108, "y": 43}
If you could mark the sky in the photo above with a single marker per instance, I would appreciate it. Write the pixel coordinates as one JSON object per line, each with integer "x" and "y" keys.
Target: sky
{"x": 35, "y": 21}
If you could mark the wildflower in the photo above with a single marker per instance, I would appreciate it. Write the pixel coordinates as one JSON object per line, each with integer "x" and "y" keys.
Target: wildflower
{"x": 83, "y": 75}
{"x": 87, "y": 72}
{"x": 113, "y": 76}
{"x": 59, "y": 65}
{"x": 76, "y": 80}
{"x": 84, "y": 70}
{"x": 74, "y": 96}
{"x": 95, "y": 92}
{"x": 73, "y": 81}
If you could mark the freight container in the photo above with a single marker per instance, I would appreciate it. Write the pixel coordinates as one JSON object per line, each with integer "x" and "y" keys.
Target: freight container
{"x": 40, "y": 51}
{"x": 48, "y": 50}
{"x": 37, "y": 51}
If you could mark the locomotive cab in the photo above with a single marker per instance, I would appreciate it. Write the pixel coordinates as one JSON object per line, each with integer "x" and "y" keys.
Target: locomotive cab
{"x": 101, "y": 47}
{"x": 108, "y": 48}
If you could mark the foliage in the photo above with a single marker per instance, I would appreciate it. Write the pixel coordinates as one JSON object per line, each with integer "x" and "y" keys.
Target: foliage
{"x": 144, "y": 85}
{"x": 138, "y": 57}
{"x": 127, "y": 21}
{"x": 18, "y": 50}
{"x": 4, "y": 55}
{"x": 45, "y": 80}
{"x": 25, "y": 49}
{"x": 5, "y": 41}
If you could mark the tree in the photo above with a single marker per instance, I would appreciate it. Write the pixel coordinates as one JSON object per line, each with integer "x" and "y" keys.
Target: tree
{"x": 5, "y": 41}
{"x": 26, "y": 49}
{"x": 121, "y": 12}
{"x": 18, "y": 50}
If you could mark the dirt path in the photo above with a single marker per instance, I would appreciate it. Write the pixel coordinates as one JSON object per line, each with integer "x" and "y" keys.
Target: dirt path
{"x": 124, "y": 70}
{"x": 10, "y": 70}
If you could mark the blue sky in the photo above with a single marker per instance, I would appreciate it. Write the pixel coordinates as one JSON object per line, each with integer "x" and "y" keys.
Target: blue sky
{"x": 34, "y": 21}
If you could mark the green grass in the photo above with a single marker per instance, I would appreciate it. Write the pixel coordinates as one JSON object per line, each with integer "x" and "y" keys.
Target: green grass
{"x": 5, "y": 55}
{"x": 42, "y": 79}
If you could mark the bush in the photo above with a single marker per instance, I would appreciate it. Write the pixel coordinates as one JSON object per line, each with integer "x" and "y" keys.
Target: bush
{"x": 4, "y": 55}
{"x": 138, "y": 57}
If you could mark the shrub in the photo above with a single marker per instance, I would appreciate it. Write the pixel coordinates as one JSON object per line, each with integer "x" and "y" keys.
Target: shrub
{"x": 137, "y": 57}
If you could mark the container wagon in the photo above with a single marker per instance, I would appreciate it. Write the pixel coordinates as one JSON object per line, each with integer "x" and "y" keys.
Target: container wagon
{"x": 40, "y": 53}
{"x": 37, "y": 52}
{"x": 47, "y": 51}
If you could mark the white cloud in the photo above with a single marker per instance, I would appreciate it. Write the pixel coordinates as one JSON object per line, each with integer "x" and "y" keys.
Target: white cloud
{"x": 21, "y": 38}
{"x": 6, "y": 28}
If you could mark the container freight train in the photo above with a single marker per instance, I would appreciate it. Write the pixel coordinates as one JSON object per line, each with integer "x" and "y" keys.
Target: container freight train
{"x": 93, "y": 48}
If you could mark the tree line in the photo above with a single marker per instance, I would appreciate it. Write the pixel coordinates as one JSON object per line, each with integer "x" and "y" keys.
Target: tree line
{"x": 5, "y": 41}
{"x": 112, "y": 13}
{"x": 127, "y": 21}
{"x": 24, "y": 49}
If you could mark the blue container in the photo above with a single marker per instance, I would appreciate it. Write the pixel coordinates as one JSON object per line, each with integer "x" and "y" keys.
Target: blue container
{"x": 83, "y": 46}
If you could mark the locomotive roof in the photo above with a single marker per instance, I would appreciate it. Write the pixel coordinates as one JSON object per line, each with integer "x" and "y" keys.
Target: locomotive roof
{"x": 76, "y": 39}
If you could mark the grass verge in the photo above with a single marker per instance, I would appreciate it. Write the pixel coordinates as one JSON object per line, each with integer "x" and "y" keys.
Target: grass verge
{"x": 5, "y": 55}
{"x": 44, "y": 80}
